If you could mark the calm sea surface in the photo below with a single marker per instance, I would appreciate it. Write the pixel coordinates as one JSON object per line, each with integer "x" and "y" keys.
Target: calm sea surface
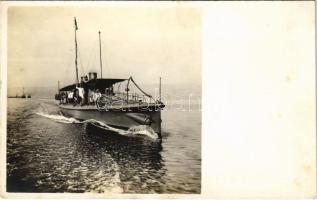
{"x": 47, "y": 152}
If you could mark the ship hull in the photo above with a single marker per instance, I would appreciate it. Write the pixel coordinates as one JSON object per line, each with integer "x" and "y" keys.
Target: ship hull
{"x": 123, "y": 119}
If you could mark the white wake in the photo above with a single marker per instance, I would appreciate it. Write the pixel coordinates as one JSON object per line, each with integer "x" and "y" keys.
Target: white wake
{"x": 59, "y": 118}
{"x": 135, "y": 131}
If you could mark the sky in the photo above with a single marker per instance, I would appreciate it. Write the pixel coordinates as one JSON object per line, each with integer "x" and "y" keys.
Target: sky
{"x": 143, "y": 42}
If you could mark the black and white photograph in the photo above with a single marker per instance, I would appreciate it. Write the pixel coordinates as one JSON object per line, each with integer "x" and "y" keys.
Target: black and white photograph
{"x": 104, "y": 99}
{"x": 158, "y": 100}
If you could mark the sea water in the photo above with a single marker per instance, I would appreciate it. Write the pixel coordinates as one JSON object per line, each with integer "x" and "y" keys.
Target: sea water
{"x": 48, "y": 152}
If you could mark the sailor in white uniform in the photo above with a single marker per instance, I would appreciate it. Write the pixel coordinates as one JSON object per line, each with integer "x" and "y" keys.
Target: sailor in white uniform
{"x": 80, "y": 94}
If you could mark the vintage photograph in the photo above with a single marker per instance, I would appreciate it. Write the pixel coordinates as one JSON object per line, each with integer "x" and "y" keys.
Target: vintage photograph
{"x": 160, "y": 100}
{"x": 104, "y": 99}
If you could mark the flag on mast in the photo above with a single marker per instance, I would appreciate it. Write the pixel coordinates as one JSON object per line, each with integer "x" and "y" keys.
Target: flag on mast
{"x": 76, "y": 27}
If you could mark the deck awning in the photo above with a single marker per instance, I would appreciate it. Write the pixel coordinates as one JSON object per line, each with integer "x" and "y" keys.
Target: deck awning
{"x": 93, "y": 84}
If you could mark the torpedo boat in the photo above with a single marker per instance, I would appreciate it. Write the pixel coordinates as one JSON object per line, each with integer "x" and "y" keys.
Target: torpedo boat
{"x": 120, "y": 103}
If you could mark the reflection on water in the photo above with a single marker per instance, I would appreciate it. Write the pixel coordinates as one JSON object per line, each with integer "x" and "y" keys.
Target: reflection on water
{"x": 139, "y": 161}
{"x": 48, "y": 156}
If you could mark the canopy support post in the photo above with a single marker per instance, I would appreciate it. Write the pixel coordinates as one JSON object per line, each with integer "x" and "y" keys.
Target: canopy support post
{"x": 127, "y": 89}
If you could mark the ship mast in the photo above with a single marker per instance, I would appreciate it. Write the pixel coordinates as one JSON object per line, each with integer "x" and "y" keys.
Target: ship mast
{"x": 100, "y": 55}
{"x": 76, "y": 28}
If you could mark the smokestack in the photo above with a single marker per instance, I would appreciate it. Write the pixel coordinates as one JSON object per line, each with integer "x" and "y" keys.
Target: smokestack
{"x": 94, "y": 75}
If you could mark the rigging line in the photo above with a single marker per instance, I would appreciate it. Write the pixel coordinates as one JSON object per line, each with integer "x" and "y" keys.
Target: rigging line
{"x": 141, "y": 89}
{"x": 81, "y": 64}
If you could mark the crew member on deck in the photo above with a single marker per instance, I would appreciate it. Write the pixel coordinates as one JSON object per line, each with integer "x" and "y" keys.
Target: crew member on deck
{"x": 70, "y": 96}
{"x": 90, "y": 96}
{"x": 80, "y": 95}
{"x": 63, "y": 98}
{"x": 76, "y": 96}
{"x": 86, "y": 79}
{"x": 96, "y": 95}
{"x": 86, "y": 90}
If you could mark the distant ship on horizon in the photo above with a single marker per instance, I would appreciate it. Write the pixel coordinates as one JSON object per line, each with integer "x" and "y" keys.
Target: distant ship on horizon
{"x": 23, "y": 96}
